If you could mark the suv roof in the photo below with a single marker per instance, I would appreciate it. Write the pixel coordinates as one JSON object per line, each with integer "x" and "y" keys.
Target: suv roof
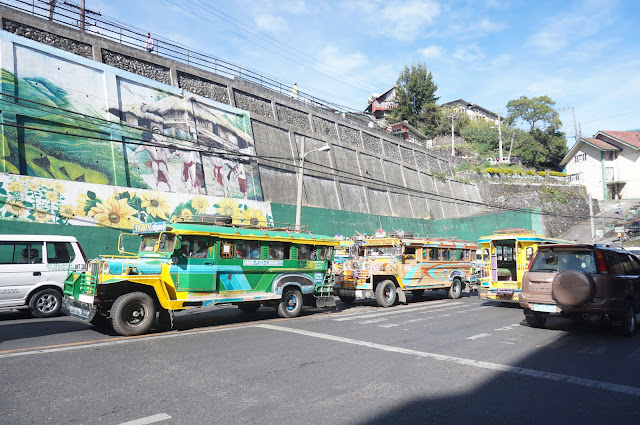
{"x": 37, "y": 238}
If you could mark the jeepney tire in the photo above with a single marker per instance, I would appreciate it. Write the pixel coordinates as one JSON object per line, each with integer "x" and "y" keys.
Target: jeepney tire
{"x": 386, "y": 293}
{"x": 133, "y": 313}
{"x": 100, "y": 321}
{"x": 535, "y": 319}
{"x": 46, "y": 303}
{"x": 417, "y": 293}
{"x": 455, "y": 290}
{"x": 346, "y": 299}
{"x": 249, "y": 306}
{"x": 291, "y": 303}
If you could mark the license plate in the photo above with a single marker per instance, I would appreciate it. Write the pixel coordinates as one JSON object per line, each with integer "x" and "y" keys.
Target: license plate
{"x": 80, "y": 312}
{"x": 545, "y": 308}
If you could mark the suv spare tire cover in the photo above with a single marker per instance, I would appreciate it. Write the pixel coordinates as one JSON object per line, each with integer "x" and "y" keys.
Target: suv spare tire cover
{"x": 573, "y": 288}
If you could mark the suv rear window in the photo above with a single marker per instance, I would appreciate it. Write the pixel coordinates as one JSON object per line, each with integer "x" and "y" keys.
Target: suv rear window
{"x": 560, "y": 260}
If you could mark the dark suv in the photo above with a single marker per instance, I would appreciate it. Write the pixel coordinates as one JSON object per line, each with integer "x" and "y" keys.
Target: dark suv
{"x": 582, "y": 281}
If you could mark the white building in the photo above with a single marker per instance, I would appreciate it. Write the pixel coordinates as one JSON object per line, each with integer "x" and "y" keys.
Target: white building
{"x": 472, "y": 110}
{"x": 608, "y": 164}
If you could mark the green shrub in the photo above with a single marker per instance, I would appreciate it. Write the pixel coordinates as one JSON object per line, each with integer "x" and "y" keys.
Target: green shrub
{"x": 508, "y": 171}
{"x": 529, "y": 172}
{"x": 493, "y": 170}
{"x": 518, "y": 172}
{"x": 557, "y": 174}
{"x": 542, "y": 173}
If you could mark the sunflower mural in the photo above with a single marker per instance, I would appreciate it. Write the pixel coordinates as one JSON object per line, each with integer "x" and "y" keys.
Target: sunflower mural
{"x": 31, "y": 199}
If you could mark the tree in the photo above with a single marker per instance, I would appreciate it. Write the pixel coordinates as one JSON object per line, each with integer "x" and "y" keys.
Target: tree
{"x": 415, "y": 95}
{"x": 546, "y": 145}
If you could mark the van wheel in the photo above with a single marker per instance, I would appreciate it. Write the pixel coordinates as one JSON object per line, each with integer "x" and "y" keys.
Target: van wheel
{"x": 386, "y": 293}
{"x": 249, "y": 306}
{"x": 629, "y": 320}
{"x": 535, "y": 319}
{"x": 46, "y": 303}
{"x": 133, "y": 313}
{"x": 291, "y": 303}
{"x": 455, "y": 290}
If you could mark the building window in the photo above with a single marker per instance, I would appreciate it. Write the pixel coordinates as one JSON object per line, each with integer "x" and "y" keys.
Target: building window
{"x": 580, "y": 157}
{"x": 575, "y": 177}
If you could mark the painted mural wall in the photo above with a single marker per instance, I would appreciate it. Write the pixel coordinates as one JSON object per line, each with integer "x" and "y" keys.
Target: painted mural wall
{"x": 68, "y": 118}
{"x": 35, "y": 200}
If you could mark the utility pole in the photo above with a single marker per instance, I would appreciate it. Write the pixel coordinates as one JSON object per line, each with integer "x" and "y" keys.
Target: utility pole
{"x": 575, "y": 126}
{"x": 52, "y": 6}
{"x": 593, "y": 226}
{"x": 513, "y": 136}
{"x": 83, "y": 12}
{"x": 499, "y": 139}
{"x": 453, "y": 116}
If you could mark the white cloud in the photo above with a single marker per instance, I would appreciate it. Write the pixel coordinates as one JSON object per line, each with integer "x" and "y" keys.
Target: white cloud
{"x": 270, "y": 23}
{"x": 470, "y": 53}
{"x": 340, "y": 61}
{"x": 402, "y": 20}
{"x": 431, "y": 52}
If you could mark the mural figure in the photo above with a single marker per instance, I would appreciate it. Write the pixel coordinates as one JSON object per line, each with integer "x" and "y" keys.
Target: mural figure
{"x": 189, "y": 175}
{"x": 239, "y": 173}
{"x": 219, "y": 173}
{"x": 159, "y": 160}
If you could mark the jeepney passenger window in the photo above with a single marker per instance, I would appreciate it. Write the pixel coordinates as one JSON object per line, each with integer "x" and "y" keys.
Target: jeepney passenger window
{"x": 320, "y": 250}
{"x": 243, "y": 249}
{"x": 279, "y": 251}
{"x": 446, "y": 254}
{"x": 410, "y": 252}
{"x": 458, "y": 254}
{"x": 304, "y": 252}
{"x": 434, "y": 253}
{"x": 226, "y": 249}
{"x": 485, "y": 255}
{"x": 254, "y": 250}
{"x": 328, "y": 251}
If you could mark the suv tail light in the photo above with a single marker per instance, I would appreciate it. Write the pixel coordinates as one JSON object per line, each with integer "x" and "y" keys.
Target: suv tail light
{"x": 600, "y": 263}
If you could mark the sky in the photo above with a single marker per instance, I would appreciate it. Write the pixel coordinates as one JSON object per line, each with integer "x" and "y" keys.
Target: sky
{"x": 583, "y": 54}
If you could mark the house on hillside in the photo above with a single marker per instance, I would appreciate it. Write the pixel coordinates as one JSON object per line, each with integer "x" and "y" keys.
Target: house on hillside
{"x": 608, "y": 164}
{"x": 474, "y": 111}
{"x": 380, "y": 106}
{"x": 408, "y": 133}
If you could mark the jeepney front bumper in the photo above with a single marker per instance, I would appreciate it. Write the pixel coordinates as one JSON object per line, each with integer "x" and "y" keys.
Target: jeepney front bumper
{"x": 79, "y": 309}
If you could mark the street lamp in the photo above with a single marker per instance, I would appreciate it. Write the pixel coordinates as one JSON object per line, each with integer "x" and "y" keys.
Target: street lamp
{"x": 301, "y": 177}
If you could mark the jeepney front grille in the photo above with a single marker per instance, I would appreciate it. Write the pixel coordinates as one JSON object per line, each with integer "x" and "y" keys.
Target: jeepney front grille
{"x": 89, "y": 284}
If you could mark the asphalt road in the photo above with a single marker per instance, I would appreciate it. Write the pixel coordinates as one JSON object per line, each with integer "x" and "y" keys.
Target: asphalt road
{"x": 433, "y": 361}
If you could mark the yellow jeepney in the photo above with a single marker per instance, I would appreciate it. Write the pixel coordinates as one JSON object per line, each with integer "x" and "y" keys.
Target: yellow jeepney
{"x": 506, "y": 255}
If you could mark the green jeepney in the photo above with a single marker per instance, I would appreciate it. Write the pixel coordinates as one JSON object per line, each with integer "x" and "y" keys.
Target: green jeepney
{"x": 190, "y": 264}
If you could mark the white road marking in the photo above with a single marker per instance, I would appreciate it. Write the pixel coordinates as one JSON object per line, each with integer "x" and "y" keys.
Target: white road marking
{"x": 478, "y": 336}
{"x": 395, "y": 310}
{"x": 107, "y": 343}
{"x": 148, "y": 420}
{"x": 557, "y": 377}
{"x": 366, "y": 322}
{"x": 508, "y": 328}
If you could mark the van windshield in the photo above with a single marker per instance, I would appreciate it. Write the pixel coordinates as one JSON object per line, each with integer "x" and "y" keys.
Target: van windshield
{"x": 561, "y": 260}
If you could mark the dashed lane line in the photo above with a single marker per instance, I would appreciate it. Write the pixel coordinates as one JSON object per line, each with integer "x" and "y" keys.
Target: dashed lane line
{"x": 394, "y": 310}
{"x": 550, "y": 376}
{"x": 475, "y": 337}
{"x": 148, "y": 420}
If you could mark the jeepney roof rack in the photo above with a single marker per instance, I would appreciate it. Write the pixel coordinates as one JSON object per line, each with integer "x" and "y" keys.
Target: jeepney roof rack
{"x": 227, "y": 220}
{"x": 513, "y": 230}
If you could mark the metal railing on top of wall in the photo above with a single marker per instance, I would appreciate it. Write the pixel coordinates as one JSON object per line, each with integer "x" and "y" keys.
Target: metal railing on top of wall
{"x": 68, "y": 14}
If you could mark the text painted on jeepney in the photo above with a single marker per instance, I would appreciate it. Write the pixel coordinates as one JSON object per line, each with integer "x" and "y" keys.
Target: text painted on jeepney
{"x": 268, "y": 263}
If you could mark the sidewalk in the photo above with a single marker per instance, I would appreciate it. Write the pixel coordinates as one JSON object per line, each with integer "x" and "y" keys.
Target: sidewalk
{"x": 604, "y": 221}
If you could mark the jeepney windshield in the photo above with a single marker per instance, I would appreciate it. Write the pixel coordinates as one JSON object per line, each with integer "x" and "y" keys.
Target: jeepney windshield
{"x": 167, "y": 242}
{"x": 148, "y": 243}
{"x": 383, "y": 251}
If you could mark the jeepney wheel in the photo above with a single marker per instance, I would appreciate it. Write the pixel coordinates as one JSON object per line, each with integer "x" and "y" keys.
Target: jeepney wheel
{"x": 291, "y": 303}
{"x": 133, "y": 313}
{"x": 249, "y": 306}
{"x": 386, "y": 293}
{"x": 455, "y": 290}
{"x": 347, "y": 299}
{"x": 417, "y": 293}
{"x": 46, "y": 303}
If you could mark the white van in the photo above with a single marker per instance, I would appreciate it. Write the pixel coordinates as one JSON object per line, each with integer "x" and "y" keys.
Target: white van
{"x": 33, "y": 269}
